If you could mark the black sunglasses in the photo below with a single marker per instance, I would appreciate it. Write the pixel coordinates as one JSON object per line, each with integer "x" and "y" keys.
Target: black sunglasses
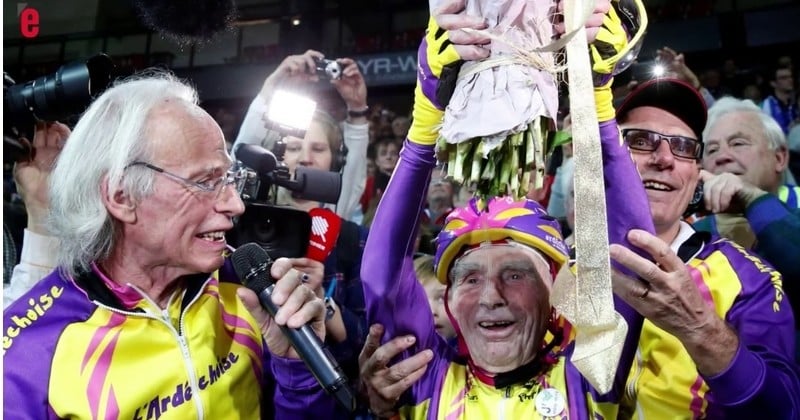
{"x": 648, "y": 141}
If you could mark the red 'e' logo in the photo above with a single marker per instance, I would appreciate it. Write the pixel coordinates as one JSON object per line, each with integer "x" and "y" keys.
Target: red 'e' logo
{"x": 29, "y": 22}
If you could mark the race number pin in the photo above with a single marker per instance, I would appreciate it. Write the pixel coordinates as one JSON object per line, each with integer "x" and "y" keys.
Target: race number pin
{"x": 549, "y": 402}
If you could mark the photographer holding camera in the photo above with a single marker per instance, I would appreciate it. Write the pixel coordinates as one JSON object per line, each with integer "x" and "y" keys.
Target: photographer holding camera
{"x": 31, "y": 111}
{"x": 326, "y": 146}
{"x": 32, "y": 176}
{"x": 296, "y": 72}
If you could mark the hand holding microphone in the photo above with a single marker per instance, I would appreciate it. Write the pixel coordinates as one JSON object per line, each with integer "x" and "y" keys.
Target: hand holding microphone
{"x": 311, "y": 273}
{"x": 291, "y": 317}
{"x": 294, "y": 303}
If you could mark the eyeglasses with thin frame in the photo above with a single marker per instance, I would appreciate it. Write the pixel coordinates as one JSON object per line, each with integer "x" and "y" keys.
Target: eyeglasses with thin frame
{"x": 648, "y": 141}
{"x": 237, "y": 176}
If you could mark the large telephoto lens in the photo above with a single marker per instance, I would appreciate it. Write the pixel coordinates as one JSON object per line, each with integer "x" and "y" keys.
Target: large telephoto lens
{"x": 62, "y": 94}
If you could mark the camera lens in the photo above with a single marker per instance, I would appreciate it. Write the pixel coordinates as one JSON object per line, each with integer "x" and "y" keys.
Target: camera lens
{"x": 329, "y": 69}
{"x": 55, "y": 97}
{"x": 281, "y": 231}
{"x": 62, "y": 94}
{"x": 334, "y": 70}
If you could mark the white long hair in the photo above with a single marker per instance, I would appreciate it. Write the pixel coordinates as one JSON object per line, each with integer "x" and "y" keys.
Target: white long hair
{"x": 108, "y": 137}
{"x": 772, "y": 130}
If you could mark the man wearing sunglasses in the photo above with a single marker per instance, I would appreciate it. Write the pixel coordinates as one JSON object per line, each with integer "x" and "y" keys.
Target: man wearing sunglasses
{"x": 731, "y": 328}
{"x": 718, "y": 338}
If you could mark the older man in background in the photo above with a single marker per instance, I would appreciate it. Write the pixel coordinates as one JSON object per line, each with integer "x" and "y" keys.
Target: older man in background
{"x": 745, "y": 160}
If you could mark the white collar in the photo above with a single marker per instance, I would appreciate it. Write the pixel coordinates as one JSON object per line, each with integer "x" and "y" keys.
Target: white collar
{"x": 686, "y": 231}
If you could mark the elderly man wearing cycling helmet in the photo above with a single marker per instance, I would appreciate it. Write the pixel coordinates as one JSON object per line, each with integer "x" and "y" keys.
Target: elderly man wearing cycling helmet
{"x": 499, "y": 259}
{"x": 744, "y": 375}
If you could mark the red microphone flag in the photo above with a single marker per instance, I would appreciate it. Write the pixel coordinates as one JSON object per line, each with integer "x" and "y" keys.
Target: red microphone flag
{"x": 325, "y": 227}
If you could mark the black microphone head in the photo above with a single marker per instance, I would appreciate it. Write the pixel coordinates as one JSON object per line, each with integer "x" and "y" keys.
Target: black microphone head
{"x": 188, "y": 21}
{"x": 256, "y": 158}
{"x": 246, "y": 261}
{"x": 318, "y": 185}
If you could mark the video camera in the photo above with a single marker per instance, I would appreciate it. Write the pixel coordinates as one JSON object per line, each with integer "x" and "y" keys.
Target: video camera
{"x": 54, "y": 97}
{"x": 270, "y": 170}
{"x": 282, "y": 231}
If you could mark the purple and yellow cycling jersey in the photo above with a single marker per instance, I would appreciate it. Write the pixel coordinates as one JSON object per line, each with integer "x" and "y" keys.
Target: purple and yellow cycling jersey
{"x": 449, "y": 389}
{"x": 742, "y": 288}
{"x": 747, "y": 293}
{"x": 90, "y": 348}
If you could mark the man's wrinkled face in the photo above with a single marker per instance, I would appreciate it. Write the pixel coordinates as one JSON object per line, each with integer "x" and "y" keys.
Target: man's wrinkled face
{"x": 499, "y": 301}
{"x": 669, "y": 181}
{"x": 179, "y": 226}
{"x": 737, "y": 144}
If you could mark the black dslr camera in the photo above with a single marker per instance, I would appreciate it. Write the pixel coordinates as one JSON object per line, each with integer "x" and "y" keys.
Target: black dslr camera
{"x": 328, "y": 69}
{"x": 54, "y": 97}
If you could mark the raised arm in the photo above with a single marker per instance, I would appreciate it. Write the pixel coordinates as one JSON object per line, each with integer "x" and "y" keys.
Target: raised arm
{"x": 32, "y": 177}
{"x": 393, "y": 296}
{"x": 392, "y": 293}
{"x": 294, "y": 70}
{"x": 354, "y": 175}
{"x": 353, "y": 90}
{"x": 627, "y": 206}
{"x": 775, "y": 223}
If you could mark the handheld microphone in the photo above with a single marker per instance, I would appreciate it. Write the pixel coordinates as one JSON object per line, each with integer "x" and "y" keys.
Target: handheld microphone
{"x": 325, "y": 227}
{"x": 252, "y": 264}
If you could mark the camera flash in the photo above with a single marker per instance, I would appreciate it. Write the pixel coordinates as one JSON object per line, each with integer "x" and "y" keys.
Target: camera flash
{"x": 658, "y": 70}
{"x": 292, "y": 112}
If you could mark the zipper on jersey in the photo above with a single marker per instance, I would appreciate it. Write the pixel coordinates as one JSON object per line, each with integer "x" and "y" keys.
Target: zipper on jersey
{"x": 164, "y": 317}
{"x": 504, "y": 403}
{"x": 638, "y": 368}
{"x": 185, "y": 349}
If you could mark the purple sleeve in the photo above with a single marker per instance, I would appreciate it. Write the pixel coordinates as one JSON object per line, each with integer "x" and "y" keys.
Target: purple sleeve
{"x": 626, "y": 199}
{"x": 298, "y": 394}
{"x": 761, "y": 380}
{"x": 29, "y": 348}
{"x": 392, "y": 293}
{"x": 627, "y": 208}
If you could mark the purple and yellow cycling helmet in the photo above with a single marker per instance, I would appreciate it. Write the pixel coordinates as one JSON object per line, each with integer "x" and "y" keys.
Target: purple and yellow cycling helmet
{"x": 523, "y": 221}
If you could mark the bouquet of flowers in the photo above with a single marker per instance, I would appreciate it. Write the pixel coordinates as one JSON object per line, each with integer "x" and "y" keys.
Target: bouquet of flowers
{"x": 497, "y": 123}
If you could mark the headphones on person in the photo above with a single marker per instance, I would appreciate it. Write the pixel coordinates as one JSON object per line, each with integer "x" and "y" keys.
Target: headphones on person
{"x": 339, "y": 157}
{"x": 338, "y": 160}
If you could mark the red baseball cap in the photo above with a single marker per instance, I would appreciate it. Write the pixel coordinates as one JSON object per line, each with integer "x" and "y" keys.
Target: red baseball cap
{"x": 672, "y": 95}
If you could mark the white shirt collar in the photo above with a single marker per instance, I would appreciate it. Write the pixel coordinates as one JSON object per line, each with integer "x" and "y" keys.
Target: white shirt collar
{"x": 686, "y": 231}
